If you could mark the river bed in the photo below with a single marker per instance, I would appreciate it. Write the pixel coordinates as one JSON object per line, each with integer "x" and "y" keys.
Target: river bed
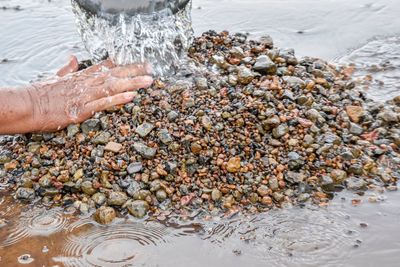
{"x": 39, "y": 35}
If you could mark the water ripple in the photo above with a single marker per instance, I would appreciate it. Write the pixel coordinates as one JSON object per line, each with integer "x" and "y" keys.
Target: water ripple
{"x": 120, "y": 244}
{"x": 36, "y": 222}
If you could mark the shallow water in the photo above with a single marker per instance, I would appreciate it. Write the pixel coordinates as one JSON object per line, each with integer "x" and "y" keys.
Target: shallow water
{"x": 338, "y": 235}
{"x": 40, "y": 36}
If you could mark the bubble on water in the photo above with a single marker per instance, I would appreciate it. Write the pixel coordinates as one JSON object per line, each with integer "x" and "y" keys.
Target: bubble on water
{"x": 45, "y": 249}
{"x": 25, "y": 259}
{"x": 36, "y": 222}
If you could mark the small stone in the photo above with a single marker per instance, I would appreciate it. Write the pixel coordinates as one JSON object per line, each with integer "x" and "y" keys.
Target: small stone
{"x": 145, "y": 151}
{"x": 265, "y": 65}
{"x": 165, "y": 137}
{"x": 356, "y": 184}
{"x": 172, "y": 115}
{"x": 91, "y": 125}
{"x": 201, "y": 83}
{"x": 280, "y": 131}
{"x": 101, "y": 138}
{"x": 25, "y": 193}
{"x": 99, "y": 199}
{"x": 78, "y": 174}
{"x": 5, "y": 156}
{"x": 87, "y": 188}
{"x": 117, "y": 198}
{"x": 195, "y": 148}
{"x": 355, "y": 129}
{"x": 144, "y": 129}
{"x": 355, "y": 113}
{"x": 134, "y": 167}
{"x": 113, "y": 147}
{"x": 206, "y": 122}
{"x": 263, "y": 190}
{"x": 216, "y": 195}
{"x": 267, "y": 201}
{"x": 233, "y": 165}
{"x": 294, "y": 82}
{"x": 338, "y": 176}
{"x": 72, "y": 130}
{"x": 161, "y": 195}
{"x": 138, "y": 208}
{"x": 245, "y": 75}
{"x": 104, "y": 215}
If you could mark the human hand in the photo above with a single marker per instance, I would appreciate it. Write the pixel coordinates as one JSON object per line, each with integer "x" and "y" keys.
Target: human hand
{"x": 76, "y": 96}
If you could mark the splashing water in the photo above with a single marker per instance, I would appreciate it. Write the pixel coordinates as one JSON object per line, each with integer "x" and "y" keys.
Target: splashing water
{"x": 160, "y": 38}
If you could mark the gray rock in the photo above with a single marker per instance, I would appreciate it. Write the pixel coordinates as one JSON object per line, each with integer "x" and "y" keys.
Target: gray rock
{"x": 144, "y": 129}
{"x": 355, "y": 129}
{"x": 165, "y": 137}
{"x": 294, "y": 82}
{"x": 265, "y": 65}
{"x": 172, "y": 115}
{"x": 138, "y": 208}
{"x": 99, "y": 199}
{"x": 91, "y": 125}
{"x": 145, "y": 151}
{"x": 161, "y": 195}
{"x": 117, "y": 199}
{"x": 134, "y": 167}
{"x": 101, "y": 138}
{"x": 280, "y": 131}
{"x": 356, "y": 184}
{"x": 133, "y": 188}
{"x": 72, "y": 130}
{"x": 25, "y": 193}
{"x": 338, "y": 176}
{"x": 245, "y": 75}
{"x": 294, "y": 177}
{"x": 87, "y": 188}
{"x": 5, "y": 156}
{"x": 201, "y": 83}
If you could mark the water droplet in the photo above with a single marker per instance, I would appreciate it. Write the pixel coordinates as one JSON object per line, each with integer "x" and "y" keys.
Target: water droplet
{"x": 25, "y": 259}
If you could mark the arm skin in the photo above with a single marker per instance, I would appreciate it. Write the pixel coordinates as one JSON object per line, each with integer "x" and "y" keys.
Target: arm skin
{"x": 72, "y": 98}
{"x": 16, "y": 111}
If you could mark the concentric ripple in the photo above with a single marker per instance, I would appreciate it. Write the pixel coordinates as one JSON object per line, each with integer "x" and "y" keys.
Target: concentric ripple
{"x": 299, "y": 237}
{"x": 120, "y": 244}
{"x": 36, "y": 222}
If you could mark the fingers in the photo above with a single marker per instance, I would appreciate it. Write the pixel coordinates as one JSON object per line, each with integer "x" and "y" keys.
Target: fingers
{"x": 98, "y": 67}
{"x": 129, "y": 71}
{"x": 117, "y": 86}
{"x": 108, "y": 102}
{"x": 72, "y": 66}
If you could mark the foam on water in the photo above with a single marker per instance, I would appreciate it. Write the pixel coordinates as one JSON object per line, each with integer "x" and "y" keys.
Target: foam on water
{"x": 161, "y": 38}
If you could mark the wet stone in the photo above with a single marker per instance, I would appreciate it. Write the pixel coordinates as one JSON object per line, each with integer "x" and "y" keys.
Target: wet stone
{"x": 135, "y": 167}
{"x": 99, "y": 199}
{"x": 72, "y": 130}
{"x": 280, "y": 131}
{"x": 265, "y": 65}
{"x": 117, "y": 199}
{"x": 25, "y": 193}
{"x": 356, "y": 184}
{"x": 216, "y": 195}
{"x": 245, "y": 75}
{"x": 91, "y": 125}
{"x": 138, "y": 208}
{"x": 113, "y": 147}
{"x": 87, "y": 188}
{"x": 104, "y": 215}
{"x": 101, "y": 138}
{"x": 145, "y": 151}
{"x": 355, "y": 129}
{"x": 165, "y": 137}
{"x": 144, "y": 129}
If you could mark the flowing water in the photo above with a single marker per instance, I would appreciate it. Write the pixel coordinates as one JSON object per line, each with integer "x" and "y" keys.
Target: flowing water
{"x": 37, "y": 36}
{"x": 161, "y": 38}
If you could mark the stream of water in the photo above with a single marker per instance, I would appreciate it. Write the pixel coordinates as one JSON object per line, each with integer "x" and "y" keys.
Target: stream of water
{"x": 37, "y": 36}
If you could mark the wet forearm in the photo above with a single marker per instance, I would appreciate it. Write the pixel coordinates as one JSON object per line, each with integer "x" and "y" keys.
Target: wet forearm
{"x": 16, "y": 111}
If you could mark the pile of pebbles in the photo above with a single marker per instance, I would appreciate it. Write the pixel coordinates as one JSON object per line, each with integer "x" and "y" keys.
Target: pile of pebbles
{"x": 255, "y": 129}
